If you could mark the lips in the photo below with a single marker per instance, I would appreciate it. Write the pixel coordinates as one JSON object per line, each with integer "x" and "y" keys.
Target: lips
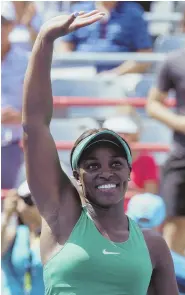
{"x": 107, "y": 187}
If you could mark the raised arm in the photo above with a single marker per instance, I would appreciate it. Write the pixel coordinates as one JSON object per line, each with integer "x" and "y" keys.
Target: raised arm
{"x": 48, "y": 183}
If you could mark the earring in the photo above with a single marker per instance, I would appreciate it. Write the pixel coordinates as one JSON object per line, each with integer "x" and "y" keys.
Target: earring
{"x": 129, "y": 179}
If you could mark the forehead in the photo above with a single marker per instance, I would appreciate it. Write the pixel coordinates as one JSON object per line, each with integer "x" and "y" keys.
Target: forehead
{"x": 103, "y": 150}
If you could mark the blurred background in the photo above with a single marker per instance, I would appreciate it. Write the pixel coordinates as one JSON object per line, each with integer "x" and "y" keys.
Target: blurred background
{"x": 115, "y": 74}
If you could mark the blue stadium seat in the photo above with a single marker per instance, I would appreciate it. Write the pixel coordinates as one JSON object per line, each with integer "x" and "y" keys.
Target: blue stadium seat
{"x": 165, "y": 44}
{"x": 94, "y": 88}
{"x": 72, "y": 128}
{"x": 156, "y": 132}
{"x": 69, "y": 130}
{"x": 143, "y": 86}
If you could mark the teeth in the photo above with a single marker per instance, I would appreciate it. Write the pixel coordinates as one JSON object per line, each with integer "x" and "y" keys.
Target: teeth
{"x": 107, "y": 186}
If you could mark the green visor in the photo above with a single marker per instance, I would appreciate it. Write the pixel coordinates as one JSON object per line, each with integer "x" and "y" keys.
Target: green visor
{"x": 97, "y": 138}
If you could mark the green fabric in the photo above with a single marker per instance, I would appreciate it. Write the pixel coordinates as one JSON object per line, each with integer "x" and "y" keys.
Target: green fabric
{"x": 87, "y": 266}
{"x": 85, "y": 142}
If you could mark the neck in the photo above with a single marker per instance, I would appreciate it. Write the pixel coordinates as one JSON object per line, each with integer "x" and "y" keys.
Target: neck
{"x": 4, "y": 50}
{"x": 112, "y": 217}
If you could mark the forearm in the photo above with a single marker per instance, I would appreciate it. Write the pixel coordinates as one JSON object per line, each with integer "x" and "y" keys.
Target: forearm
{"x": 160, "y": 112}
{"x": 130, "y": 67}
{"x": 37, "y": 98}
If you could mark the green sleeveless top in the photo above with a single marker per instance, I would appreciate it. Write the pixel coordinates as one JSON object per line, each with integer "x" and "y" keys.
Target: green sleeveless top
{"x": 91, "y": 264}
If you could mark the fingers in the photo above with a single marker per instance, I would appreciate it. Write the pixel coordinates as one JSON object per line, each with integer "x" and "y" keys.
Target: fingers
{"x": 81, "y": 13}
{"x": 82, "y": 22}
{"x": 71, "y": 19}
{"x": 89, "y": 13}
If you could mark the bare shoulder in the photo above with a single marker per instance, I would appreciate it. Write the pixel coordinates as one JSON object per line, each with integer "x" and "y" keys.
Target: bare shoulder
{"x": 158, "y": 248}
{"x": 154, "y": 240}
{"x": 163, "y": 281}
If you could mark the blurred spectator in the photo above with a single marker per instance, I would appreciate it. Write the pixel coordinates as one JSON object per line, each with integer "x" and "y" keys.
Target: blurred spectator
{"x": 27, "y": 21}
{"x": 123, "y": 29}
{"x": 149, "y": 211}
{"x": 49, "y": 9}
{"x": 144, "y": 175}
{"x": 172, "y": 76}
{"x": 20, "y": 251}
{"x": 170, "y": 42}
{"x": 14, "y": 62}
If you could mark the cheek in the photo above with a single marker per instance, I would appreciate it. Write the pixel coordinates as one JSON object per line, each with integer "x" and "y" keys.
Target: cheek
{"x": 87, "y": 182}
{"x": 124, "y": 175}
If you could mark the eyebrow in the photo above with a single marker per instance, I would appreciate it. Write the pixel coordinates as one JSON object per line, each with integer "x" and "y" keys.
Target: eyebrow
{"x": 94, "y": 158}
{"x": 90, "y": 159}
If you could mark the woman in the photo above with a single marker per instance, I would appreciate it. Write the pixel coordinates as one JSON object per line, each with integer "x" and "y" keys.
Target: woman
{"x": 94, "y": 249}
{"x": 20, "y": 253}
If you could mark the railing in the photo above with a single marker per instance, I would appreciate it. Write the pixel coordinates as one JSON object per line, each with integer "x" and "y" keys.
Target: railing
{"x": 92, "y": 58}
{"x": 174, "y": 17}
{"x": 65, "y": 102}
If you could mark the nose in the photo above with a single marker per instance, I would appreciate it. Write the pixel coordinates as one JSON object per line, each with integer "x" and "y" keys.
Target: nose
{"x": 106, "y": 175}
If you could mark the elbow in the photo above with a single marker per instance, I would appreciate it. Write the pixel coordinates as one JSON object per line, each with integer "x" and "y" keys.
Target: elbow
{"x": 146, "y": 67}
{"x": 151, "y": 103}
{"x": 150, "y": 109}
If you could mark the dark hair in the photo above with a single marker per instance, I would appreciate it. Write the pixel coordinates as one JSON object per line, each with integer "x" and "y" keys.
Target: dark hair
{"x": 86, "y": 134}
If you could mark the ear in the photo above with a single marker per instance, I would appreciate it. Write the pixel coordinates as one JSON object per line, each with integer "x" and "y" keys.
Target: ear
{"x": 77, "y": 177}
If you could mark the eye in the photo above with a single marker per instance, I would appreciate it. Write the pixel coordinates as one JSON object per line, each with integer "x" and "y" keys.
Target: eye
{"x": 116, "y": 164}
{"x": 92, "y": 166}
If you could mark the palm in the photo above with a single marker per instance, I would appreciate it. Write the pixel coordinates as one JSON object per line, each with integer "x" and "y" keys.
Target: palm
{"x": 62, "y": 25}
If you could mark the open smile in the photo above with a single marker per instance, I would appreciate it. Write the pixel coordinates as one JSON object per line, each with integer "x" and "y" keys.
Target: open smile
{"x": 109, "y": 187}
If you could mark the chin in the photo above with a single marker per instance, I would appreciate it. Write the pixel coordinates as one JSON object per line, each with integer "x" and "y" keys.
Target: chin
{"x": 103, "y": 200}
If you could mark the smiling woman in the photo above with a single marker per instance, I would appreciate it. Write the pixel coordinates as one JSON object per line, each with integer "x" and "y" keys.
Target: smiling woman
{"x": 88, "y": 246}
{"x": 101, "y": 163}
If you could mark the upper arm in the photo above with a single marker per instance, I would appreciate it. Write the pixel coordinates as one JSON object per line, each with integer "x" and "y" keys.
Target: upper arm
{"x": 48, "y": 183}
{"x": 163, "y": 84}
{"x": 163, "y": 280}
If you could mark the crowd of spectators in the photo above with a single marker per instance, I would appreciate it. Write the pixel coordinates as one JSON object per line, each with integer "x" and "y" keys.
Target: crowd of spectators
{"x": 124, "y": 29}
